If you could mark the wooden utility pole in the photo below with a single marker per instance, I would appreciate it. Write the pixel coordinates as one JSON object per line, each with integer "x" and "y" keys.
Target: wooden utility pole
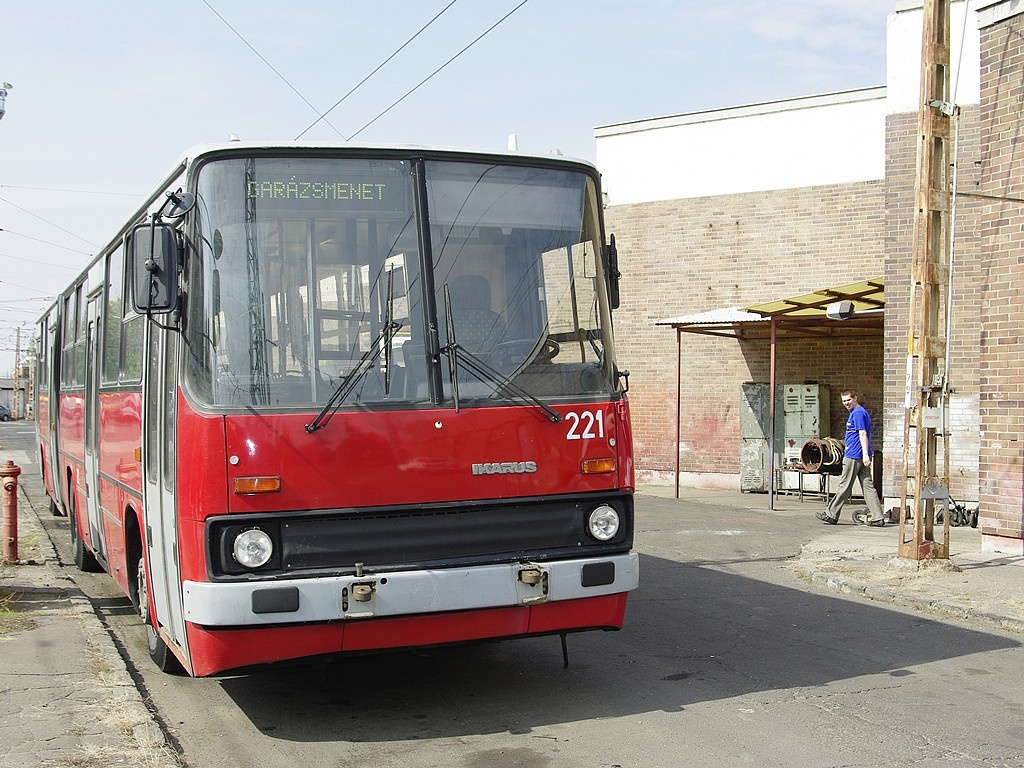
{"x": 16, "y": 394}
{"x": 925, "y": 483}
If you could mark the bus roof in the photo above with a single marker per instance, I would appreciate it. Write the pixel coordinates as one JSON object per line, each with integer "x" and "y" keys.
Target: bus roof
{"x": 197, "y": 151}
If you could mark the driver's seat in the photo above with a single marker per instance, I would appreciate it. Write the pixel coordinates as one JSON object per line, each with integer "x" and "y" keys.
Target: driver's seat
{"x": 477, "y": 327}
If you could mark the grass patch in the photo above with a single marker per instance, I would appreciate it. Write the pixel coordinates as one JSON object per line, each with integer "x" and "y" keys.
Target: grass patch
{"x": 10, "y": 619}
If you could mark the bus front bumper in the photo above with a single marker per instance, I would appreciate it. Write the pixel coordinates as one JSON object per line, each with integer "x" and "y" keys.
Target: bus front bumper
{"x": 403, "y": 593}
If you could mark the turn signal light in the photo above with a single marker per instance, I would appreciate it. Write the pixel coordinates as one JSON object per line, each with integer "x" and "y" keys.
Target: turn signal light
{"x": 253, "y": 485}
{"x": 598, "y": 466}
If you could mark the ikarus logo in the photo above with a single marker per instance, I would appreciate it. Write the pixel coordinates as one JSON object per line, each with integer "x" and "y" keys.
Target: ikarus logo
{"x": 505, "y": 468}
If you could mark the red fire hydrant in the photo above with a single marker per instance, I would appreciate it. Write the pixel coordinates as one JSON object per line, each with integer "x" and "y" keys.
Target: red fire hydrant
{"x": 9, "y": 472}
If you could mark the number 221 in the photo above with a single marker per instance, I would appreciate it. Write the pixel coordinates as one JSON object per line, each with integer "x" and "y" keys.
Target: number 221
{"x": 584, "y": 426}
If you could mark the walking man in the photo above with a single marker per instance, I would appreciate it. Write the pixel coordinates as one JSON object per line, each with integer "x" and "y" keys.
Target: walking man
{"x": 856, "y": 466}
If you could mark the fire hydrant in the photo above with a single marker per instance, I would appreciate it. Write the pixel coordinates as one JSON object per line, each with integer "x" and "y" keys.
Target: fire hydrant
{"x": 9, "y": 472}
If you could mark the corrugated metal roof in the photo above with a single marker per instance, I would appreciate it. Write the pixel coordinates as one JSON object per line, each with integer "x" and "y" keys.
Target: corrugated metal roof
{"x": 865, "y": 295}
{"x": 725, "y": 315}
{"x": 803, "y": 315}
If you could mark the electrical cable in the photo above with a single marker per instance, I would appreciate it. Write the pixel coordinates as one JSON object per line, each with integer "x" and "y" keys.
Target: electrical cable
{"x": 38, "y": 262}
{"x": 960, "y": 55}
{"x": 375, "y": 71}
{"x": 16, "y": 285}
{"x": 273, "y": 69}
{"x": 432, "y": 74}
{"x": 47, "y": 221}
{"x": 45, "y": 242}
{"x": 73, "y": 191}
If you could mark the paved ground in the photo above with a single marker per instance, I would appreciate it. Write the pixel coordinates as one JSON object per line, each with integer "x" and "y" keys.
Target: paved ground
{"x": 62, "y": 707}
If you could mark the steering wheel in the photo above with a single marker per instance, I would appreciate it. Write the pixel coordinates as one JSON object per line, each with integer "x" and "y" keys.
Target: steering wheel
{"x": 549, "y": 349}
{"x": 512, "y": 355}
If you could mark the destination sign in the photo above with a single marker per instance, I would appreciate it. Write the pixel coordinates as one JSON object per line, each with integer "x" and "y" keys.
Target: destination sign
{"x": 296, "y": 189}
{"x": 299, "y": 192}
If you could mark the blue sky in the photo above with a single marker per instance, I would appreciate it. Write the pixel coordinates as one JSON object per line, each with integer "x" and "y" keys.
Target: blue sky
{"x": 107, "y": 94}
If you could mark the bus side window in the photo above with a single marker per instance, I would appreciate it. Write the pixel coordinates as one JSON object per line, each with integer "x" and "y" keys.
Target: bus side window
{"x": 114, "y": 317}
{"x": 131, "y": 362}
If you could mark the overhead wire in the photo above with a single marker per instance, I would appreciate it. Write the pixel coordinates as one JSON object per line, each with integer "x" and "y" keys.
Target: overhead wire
{"x": 45, "y": 242}
{"x": 436, "y": 71}
{"x": 272, "y": 67}
{"x": 38, "y": 262}
{"x": 47, "y": 221}
{"x": 73, "y": 191}
{"x": 17, "y": 285}
{"x": 375, "y": 71}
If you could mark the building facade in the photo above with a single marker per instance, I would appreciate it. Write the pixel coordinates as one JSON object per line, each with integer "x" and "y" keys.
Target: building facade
{"x": 736, "y": 207}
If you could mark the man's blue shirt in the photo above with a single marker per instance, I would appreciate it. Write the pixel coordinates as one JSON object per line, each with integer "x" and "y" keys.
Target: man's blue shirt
{"x": 858, "y": 420}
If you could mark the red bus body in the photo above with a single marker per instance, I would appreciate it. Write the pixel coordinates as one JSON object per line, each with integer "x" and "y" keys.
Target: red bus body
{"x": 406, "y": 520}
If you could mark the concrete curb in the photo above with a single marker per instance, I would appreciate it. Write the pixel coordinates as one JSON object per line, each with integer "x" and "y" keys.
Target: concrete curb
{"x": 140, "y": 726}
{"x": 924, "y": 603}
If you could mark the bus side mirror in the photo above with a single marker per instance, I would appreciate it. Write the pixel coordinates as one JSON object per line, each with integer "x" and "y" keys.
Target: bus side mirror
{"x": 154, "y": 266}
{"x": 613, "y": 274}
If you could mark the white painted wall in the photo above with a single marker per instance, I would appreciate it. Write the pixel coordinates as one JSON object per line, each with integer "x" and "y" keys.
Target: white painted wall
{"x": 903, "y": 55}
{"x": 827, "y": 139}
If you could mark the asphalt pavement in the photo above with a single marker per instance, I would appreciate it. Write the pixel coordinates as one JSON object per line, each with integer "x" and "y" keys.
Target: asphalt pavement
{"x": 68, "y": 698}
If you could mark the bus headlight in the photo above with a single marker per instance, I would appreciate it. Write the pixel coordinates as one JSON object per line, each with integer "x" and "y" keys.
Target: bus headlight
{"x": 252, "y": 548}
{"x": 603, "y": 523}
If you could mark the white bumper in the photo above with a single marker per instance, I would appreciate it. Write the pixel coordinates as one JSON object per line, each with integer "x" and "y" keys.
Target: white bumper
{"x": 259, "y": 603}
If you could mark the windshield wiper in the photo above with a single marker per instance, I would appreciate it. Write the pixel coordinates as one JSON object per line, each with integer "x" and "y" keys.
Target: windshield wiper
{"x": 458, "y": 354}
{"x": 382, "y": 344}
{"x": 363, "y": 367}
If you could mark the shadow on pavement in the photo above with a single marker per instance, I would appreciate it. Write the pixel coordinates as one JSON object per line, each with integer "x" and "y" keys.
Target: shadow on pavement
{"x": 692, "y": 634}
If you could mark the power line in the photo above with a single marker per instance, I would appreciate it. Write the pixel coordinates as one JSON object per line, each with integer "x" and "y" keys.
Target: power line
{"x": 16, "y": 285}
{"x": 431, "y": 75}
{"x": 39, "y": 262}
{"x": 73, "y": 191}
{"x": 47, "y": 221}
{"x": 283, "y": 78}
{"x": 45, "y": 242}
{"x": 374, "y": 72}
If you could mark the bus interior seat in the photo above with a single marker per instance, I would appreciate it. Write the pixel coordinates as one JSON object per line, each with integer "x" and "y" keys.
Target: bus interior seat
{"x": 478, "y": 328}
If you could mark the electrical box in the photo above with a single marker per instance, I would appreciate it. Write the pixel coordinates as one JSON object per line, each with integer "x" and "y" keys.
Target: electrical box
{"x": 755, "y": 456}
{"x": 806, "y": 416}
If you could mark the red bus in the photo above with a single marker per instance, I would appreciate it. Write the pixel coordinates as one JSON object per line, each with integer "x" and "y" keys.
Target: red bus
{"x": 323, "y": 399}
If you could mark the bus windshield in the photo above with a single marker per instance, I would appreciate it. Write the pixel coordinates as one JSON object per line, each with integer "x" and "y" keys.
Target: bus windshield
{"x": 312, "y": 276}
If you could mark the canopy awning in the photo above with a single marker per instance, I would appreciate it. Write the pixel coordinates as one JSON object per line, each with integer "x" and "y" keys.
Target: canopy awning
{"x": 797, "y": 316}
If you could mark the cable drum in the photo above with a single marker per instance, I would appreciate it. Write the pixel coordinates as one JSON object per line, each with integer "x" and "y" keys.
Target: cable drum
{"x": 822, "y": 455}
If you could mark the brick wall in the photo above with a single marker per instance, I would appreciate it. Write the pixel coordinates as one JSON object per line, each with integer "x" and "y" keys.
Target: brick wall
{"x": 1001, "y": 362}
{"x": 684, "y": 256}
{"x": 967, "y": 302}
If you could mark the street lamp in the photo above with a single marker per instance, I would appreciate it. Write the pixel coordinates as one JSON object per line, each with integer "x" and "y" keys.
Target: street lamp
{"x": 3, "y": 98}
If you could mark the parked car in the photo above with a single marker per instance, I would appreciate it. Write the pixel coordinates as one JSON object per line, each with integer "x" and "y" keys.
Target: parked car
{"x": 5, "y": 413}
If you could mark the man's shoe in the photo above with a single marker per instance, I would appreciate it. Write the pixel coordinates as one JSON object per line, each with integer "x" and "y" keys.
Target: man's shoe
{"x": 879, "y": 523}
{"x": 825, "y": 518}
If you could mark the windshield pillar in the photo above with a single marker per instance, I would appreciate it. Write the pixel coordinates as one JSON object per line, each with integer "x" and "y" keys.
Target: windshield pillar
{"x": 430, "y": 317}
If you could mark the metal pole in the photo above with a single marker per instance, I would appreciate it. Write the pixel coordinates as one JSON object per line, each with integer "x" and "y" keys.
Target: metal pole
{"x": 16, "y": 395}
{"x": 771, "y": 422}
{"x": 679, "y": 398}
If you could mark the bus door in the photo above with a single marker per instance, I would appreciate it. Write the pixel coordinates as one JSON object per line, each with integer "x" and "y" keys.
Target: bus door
{"x": 92, "y": 442}
{"x": 48, "y": 338}
{"x": 159, "y": 461}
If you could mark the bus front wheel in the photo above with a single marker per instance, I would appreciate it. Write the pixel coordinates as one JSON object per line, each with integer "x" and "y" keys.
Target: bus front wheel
{"x": 85, "y": 560}
{"x": 158, "y": 650}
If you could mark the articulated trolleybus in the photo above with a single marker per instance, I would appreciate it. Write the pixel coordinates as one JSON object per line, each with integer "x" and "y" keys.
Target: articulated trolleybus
{"x": 315, "y": 400}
